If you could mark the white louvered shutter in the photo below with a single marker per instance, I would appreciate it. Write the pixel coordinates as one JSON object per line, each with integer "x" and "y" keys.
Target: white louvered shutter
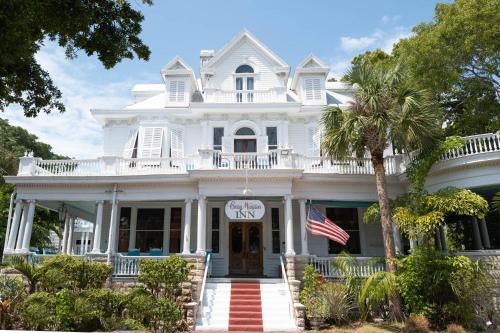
{"x": 151, "y": 141}
{"x": 314, "y": 137}
{"x": 316, "y": 84}
{"x": 177, "y": 143}
{"x": 312, "y": 88}
{"x": 176, "y": 91}
{"x": 308, "y": 87}
{"x": 131, "y": 145}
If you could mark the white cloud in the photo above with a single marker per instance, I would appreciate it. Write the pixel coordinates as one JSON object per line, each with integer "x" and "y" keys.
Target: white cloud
{"x": 339, "y": 67}
{"x": 352, "y": 43}
{"x": 389, "y": 18}
{"x": 74, "y": 133}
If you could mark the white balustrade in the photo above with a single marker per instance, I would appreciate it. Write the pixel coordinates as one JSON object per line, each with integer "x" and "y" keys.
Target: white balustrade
{"x": 214, "y": 159}
{"x": 245, "y": 96}
{"x": 129, "y": 265}
{"x": 358, "y": 266}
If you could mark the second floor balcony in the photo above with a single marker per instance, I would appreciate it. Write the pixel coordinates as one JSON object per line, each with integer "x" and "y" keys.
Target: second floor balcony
{"x": 477, "y": 148}
{"x": 274, "y": 95}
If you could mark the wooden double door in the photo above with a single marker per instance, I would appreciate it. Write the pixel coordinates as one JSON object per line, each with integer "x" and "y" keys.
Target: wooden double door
{"x": 245, "y": 248}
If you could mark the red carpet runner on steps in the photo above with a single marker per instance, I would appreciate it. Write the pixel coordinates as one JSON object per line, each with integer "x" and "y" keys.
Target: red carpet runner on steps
{"x": 245, "y": 308}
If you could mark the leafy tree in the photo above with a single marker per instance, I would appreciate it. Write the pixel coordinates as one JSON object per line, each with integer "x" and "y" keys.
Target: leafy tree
{"x": 457, "y": 57}
{"x": 386, "y": 108}
{"x": 14, "y": 142}
{"x": 376, "y": 57}
{"x": 107, "y": 28}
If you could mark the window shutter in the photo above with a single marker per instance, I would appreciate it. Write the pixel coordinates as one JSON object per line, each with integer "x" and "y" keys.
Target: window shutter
{"x": 131, "y": 145}
{"x": 176, "y": 143}
{"x": 316, "y": 89}
{"x": 312, "y": 88}
{"x": 176, "y": 91}
{"x": 314, "y": 136}
{"x": 308, "y": 88}
{"x": 151, "y": 142}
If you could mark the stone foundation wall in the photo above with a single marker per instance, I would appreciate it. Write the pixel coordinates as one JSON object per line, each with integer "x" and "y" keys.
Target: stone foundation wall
{"x": 295, "y": 272}
{"x": 492, "y": 261}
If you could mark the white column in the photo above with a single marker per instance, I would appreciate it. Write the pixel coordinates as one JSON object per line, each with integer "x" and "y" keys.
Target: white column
{"x": 9, "y": 220}
{"x": 303, "y": 231}
{"x": 201, "y": 236}
{"x": 289, "y": 226}
{"x": 16, "y": 219}
{"x": 86, "y": 242}
{"x": 112, "y": 228}
{"x": 20, "y": 234}
{"x": 29, "y": 226}
{"x": 98, "y": 228}
{"x": 69, "y": 245}
{"x": 65, "y": 234}
{"x": 397, "y": 239}
{"x": 187, "y": 227}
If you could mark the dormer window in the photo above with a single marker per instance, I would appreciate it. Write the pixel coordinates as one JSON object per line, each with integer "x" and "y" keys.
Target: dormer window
{"x": 244, "y": 84}
{"x": 176, "y": 91}
{"x": 312, "y": 88}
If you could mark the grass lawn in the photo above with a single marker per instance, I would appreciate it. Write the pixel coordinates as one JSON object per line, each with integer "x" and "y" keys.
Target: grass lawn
{"x": 365, "y": 328}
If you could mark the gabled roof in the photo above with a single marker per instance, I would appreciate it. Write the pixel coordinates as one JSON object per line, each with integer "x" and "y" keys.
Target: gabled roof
{"x": 178, "y": 67}
{"x": 311, "y": 64}
{"x": 245, "y": 34}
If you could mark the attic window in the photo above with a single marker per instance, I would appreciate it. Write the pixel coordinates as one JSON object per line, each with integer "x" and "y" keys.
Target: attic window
{"x": 176, "y": 91}
{"x": 244, "y": 69}
{"x": 312, "y": 88}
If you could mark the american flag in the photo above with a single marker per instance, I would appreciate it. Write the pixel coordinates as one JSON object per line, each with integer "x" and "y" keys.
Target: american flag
{"x": 320, "y": 225}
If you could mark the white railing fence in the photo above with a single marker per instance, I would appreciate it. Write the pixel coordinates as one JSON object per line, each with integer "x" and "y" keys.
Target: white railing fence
{"x": 357, "y": 266}
{"x": 129, "y": 265}
{"x": 245, "y": 96}
{"x": 214, "y": 159}
{"x": 206, "y": 274}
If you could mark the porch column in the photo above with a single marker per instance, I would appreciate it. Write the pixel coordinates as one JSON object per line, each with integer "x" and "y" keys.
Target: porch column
{"x": 289, "y": 226}
{"x": 69, "y": 246}
{"x": 20, "y": 234}
{"x": 303, "y": 231}
{"x": 442, "y": 238}
{"x": 201, "y": 237}
{"x": 9, "y": 220}
{"x": 29, "y": 226}
{"x": 476, "y": 237}
{"x": 112, "y": 228}
{"x": 98, "y": 228}
{"x": 484, "y": 234}
{"x": 187, "y": 227}
{"x": 65, "y": 234}
{"x": 397, "y": 239}
{"x": 16, "y": 219}
{"x": 85, "y": 242}
{"x": 133, "y": 228}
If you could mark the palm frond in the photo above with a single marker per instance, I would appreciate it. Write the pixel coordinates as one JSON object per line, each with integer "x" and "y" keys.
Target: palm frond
{"x": 495, "y": 202}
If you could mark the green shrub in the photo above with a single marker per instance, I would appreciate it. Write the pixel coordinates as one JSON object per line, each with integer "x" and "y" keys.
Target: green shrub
{"x": 12, "y": 293}
{"x": 38, "y": 312}
{"x": 67, "y": 272}
{"x": 311, "y": 282}
{"x": 376, "y": 293}
{"x": 338, "y": 299}
{"x": 163, "y": 278}
{"x": 106, "y": 307}
{"x": 443, "y": 288}
{"x": 316, "y": 306}
{"x": 416, "y": 324}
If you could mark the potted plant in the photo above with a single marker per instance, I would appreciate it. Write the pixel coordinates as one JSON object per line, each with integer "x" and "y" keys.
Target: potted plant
{"x": 316, "y": 310}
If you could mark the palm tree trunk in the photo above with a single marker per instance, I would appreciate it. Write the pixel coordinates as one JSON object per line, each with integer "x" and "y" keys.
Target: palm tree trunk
{"x": 385, "y": 219}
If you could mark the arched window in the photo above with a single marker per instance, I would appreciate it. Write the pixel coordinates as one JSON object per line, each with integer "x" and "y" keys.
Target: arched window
{"x": 244, "y": 69}
{"x": 245, "y": 131}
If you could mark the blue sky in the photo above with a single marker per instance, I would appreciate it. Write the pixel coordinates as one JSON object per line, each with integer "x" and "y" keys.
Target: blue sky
{"x": 334, "y": 30}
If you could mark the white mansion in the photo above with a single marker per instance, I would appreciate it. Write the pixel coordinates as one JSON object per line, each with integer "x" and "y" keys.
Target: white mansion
{"x": 227, "y": 162}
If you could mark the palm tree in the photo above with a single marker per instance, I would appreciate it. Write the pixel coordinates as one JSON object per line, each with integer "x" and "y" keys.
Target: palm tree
{"x": 387, "y": 108}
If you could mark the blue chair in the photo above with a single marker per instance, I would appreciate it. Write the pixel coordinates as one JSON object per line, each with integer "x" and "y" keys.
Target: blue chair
{"x": 134, "y": 252}
{"x": 155, "y": 252}
{"x": 47, "y": 250}
{"x": 34, "y": 249}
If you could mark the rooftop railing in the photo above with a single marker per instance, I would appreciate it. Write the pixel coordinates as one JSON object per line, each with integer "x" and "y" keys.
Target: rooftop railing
{"x": 281, "y": 159}
{"x": 275, "y": 95}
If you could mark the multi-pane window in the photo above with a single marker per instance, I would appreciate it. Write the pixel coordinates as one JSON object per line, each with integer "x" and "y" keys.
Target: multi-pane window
{"x": 275, "y": 230}
{"x": 272, "y": 138}
{"x": 215, "y": 229}
{"x": 124, "y": 231}
{"x": 175, "y": 230}
{"x": 347, "y": 219}
{"x": 149, "y": 233}
{"x": 218, "y": 134}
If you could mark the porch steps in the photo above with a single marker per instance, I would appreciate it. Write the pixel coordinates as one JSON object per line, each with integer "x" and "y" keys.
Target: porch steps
{"x": 245, "y": 305}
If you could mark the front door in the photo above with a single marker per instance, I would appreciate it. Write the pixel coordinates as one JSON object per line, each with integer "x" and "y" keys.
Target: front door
{"x": 245, "y": 248}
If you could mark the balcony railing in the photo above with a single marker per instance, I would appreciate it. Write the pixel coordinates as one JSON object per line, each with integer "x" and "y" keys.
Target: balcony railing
{"x": 281, "y": 159}
{"x": 275, "y": 95}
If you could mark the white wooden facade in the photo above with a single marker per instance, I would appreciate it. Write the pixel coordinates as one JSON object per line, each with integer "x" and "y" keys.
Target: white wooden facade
{"x": 194, "y": 142}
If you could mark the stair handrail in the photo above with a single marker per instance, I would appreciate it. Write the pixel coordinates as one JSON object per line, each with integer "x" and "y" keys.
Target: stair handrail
{"x": 205, "y": 273}
{"x": 284, "y": 278}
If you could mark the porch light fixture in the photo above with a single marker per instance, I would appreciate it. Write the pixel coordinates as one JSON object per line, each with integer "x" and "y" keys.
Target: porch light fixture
{"x": 285, "y": 152}
{"x": 246, "y": 191}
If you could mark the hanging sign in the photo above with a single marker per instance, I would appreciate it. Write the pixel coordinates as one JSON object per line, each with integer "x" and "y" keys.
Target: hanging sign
{"x": 245, "y": 209}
